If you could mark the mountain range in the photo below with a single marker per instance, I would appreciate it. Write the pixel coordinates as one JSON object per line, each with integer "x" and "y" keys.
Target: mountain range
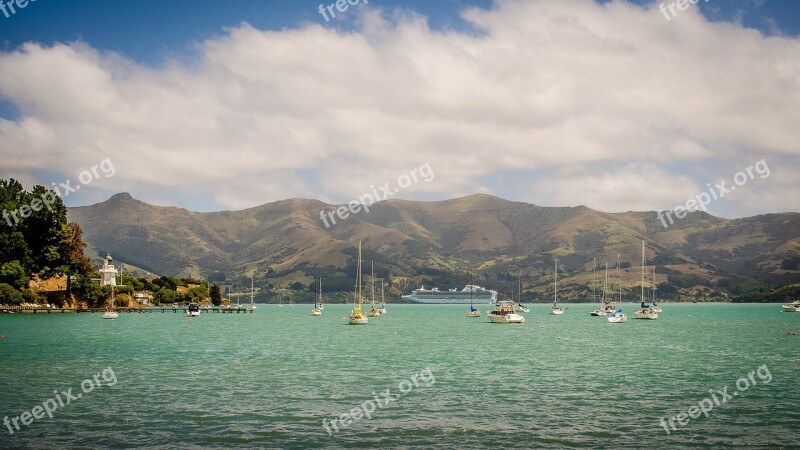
{"x": 498, "y": 242}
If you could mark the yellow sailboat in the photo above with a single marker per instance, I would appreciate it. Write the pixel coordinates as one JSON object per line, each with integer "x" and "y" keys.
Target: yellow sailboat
{"x": 356, "y": 316}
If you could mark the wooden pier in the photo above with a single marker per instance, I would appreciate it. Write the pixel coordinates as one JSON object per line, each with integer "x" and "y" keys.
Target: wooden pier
{"x": 163, "y": 309}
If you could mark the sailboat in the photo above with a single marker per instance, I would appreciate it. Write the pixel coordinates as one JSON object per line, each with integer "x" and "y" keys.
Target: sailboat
{"x": 556, "y": 310}
{"x": 617, "y": 316}
{"x": 111, "y": 313}
{"x": 317, "y": 311}
{"x": 356, "y": 316}
{"x": 596, "y": 312}
{"x": 646, "y": 312}
{"x": 252, "y": 306}
{"x": 373, "y": 312}
{"x": 382, "y": 309}
{"x": 656, "y": 308}
{"x": 472, "y": 311}
{"x": 520, "y": 306}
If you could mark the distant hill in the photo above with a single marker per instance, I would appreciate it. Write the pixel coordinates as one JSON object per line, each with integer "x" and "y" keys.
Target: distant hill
{"x": 438, "y": 243}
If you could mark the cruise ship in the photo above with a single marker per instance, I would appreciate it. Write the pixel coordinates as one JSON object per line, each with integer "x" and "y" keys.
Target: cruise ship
{"x": 452, "y": 296}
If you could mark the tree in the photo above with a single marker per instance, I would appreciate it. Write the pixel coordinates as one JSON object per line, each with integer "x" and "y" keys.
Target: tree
{"x": 9, "y": 295}
{"x": 14, "y": 274}
{"x": 216, "y": 295}
{"x": 78, "y": 262}
{"x": 297, "y": 286}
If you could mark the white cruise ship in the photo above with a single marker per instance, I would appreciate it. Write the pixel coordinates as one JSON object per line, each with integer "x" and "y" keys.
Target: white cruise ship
{"x": 452, "y": 296}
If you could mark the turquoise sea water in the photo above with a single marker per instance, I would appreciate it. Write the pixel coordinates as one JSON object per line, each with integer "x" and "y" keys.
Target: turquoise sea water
{"x": 268, "y": 380}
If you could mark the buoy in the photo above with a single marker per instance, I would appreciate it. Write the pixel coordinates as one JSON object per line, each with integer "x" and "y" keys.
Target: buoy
{"x": 559, "y": 337}
{"x": 394, "y": 333}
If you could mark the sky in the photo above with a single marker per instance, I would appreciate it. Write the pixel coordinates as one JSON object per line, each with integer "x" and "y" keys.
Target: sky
{"x": 209, "y": 105}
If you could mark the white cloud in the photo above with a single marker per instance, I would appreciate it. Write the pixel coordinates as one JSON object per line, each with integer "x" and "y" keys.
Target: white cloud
{"x": 556, "y": 88}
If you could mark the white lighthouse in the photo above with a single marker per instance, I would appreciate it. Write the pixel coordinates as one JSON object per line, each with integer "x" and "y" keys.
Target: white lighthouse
{"x": 108, "y": 274}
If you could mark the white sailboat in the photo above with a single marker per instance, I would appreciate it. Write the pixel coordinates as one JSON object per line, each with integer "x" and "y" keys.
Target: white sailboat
{"x": 317, "y": 311}
{"x": 382, "y": 309}
{"x": 617, "y": 316}
{"x": 646, "y": 312}
{"x": 656, "y": 308}
{"x": 556, "y": 310}
{"x": 356, "y": 316}
{"x": 252, "y": 306}
{"x": 596, "y": 311}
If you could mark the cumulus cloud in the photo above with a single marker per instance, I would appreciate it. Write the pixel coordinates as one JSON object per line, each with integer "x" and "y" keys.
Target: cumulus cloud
{"x": 555, "y": 89}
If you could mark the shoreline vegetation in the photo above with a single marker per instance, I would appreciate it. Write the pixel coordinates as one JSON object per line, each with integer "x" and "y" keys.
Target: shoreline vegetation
{"x": 45, "y": 264}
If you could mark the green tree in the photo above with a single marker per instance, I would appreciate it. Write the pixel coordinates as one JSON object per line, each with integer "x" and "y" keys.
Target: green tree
{"x": 14, "y": 274}
{"x": 9, "y": 295}
{"x": 216, "y": 295}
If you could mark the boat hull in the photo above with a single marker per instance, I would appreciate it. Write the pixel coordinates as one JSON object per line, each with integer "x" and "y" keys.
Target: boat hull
{"x": 556, "y": 311}
{"x": 110, "y": 315}
{"x": 598, "y": 312}
{"x": 508, "y": 318}
{"x": 358, "y": 321}
{"x": 790, "y": 308}
{"x": 618, "y": 319}
{"x": 646, "y": 316}
{"x": 448, "y": 300}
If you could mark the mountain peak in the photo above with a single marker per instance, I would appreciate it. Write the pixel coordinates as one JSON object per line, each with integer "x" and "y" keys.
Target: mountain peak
{"x": 121, "y": 197}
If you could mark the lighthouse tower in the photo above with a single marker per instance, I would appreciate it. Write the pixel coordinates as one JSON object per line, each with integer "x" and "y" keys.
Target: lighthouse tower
{"x": 108, "y": 274}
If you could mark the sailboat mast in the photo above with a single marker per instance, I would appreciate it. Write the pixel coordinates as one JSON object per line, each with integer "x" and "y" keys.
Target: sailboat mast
{"x": 642, "y": 271}
{"x": 555, "y": 285}
{"x": 471, "y": 289}
{"x": 654, "y": 283}
{"x": 594, "y": 280}
{"x": 605, "y": 285}
{"x": 358, "y": 276}
{"x": 372, "y": 282}
{"x": 252, "y": 290}
{"x": 619, "y": 279}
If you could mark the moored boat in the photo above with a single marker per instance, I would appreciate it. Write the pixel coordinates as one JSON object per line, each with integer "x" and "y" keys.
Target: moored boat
{"x": 646, "y": 312}
{"x": 193, "y": 310}
{"x": 617, "y": 316}
{"x": 504, "y": 312}
{"x": 357, "y": 317}
{"x": 556, "y": 310}
{"x": 792, "y": 307}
